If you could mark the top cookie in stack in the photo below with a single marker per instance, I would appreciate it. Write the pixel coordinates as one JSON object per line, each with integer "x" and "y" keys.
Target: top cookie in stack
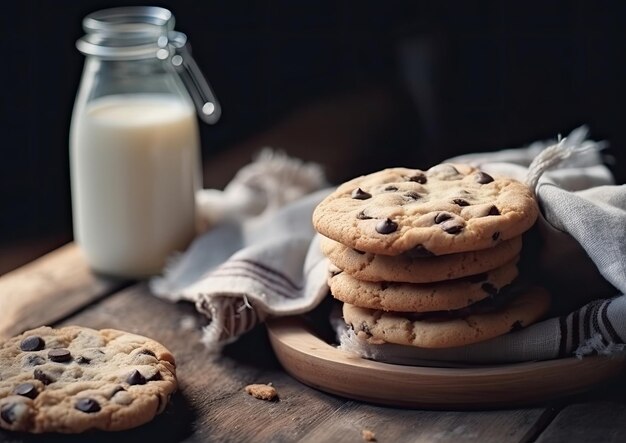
{"x": 422, "y": 257}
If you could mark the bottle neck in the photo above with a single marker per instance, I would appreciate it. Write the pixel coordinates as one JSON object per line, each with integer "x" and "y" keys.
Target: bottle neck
{"x": 106, "y": 77}
{"x": 127, "y": 68}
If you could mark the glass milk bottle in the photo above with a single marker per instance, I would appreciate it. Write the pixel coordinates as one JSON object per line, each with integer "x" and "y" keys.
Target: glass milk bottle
{"x": 134, "y": 141}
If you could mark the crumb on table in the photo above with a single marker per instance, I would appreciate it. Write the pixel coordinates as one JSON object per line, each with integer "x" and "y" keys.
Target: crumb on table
{"x": 368, "y": 435}
{"x": 263, "y": 392}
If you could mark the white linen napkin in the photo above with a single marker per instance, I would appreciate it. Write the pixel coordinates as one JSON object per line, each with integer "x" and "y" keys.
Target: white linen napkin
{"x": 258, "y": 260}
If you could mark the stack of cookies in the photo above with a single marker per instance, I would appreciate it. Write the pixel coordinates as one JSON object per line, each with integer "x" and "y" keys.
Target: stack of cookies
{"x": 429, "y": 258}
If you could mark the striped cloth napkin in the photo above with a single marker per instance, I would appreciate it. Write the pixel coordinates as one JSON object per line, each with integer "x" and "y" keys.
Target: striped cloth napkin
{"x": 258, "y": 256}
{"x": 264, "y": 259}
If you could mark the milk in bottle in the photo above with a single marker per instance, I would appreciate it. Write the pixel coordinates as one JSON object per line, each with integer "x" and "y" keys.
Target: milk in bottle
{"x": 134, "y": 175}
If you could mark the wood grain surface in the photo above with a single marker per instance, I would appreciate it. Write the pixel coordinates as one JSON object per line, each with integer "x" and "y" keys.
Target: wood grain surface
{"x": 49, "y": 288}
{"x": 589, "y": 422}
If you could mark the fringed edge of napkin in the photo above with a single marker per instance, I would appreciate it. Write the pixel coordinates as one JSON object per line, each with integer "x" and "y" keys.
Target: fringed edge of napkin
{"x": 574, "y": 144}
{"x": 229, "y": 316}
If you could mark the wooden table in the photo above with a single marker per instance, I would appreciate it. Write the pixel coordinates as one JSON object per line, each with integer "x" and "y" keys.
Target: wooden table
{"x": 58, "y": 289}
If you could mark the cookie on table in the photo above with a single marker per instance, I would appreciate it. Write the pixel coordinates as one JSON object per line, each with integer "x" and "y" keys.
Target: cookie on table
{"x": 410, "y": 297}
{"x": 74, "y": 379}
{"x": 446, "y": 209}
{"x": 442, "y": 330}
{"x": 410, "y": 269}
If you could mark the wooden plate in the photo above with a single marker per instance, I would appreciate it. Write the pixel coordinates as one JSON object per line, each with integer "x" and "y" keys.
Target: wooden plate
{"x": 316, "y": 363}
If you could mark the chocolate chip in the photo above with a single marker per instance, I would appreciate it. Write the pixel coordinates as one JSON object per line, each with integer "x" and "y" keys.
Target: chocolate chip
{"x": 34, "y": 360}
{"x": 82, "y": 360}
{"x": 460, "y": 202}
{"x": 495, "y": 236}
{"x": 26, "y": 389}
{"x": 361, "y": 216}
{"x": 42, "y": 376}
{"x": 156, "y": 376}
{"x": 489, "y": 288}
{"x": 419, "y": 252}
{"x": 145, "y": 351}
{"x": 32, "y": 343}
{"x": 483, "y": 178}
{"x": 135, "y": 378}
{"x": 477, "y": 278}
{"x": 360, "y": 194}
{"x": 517, "y": 326}
{"x": 452, "y": 226}
{"x": 59, "y": 355}
{"x": 7, "y": 413}
{"x": 419, "y": 178}
{"x": 386, "y": 226}
{"x": 359, "y": 252}
{"x": 391, "y": 188}
{"x": 493, "y": 211}
{"x": 412, "y": 195}
{"x": 442, "y": 217}
{"x": 88, "y": 405}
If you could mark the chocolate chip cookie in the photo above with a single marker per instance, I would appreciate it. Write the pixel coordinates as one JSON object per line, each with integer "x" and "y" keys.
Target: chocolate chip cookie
{"x": 447, "y": 329}
{"x": 73, "y": 379}
{"x": 446, "y": 209}
{"x": 408, "y": 297}
{"x": 408, "y": 268}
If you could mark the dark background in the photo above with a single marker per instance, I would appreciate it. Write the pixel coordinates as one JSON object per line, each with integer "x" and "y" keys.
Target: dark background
{"x": 356, "y": 86}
